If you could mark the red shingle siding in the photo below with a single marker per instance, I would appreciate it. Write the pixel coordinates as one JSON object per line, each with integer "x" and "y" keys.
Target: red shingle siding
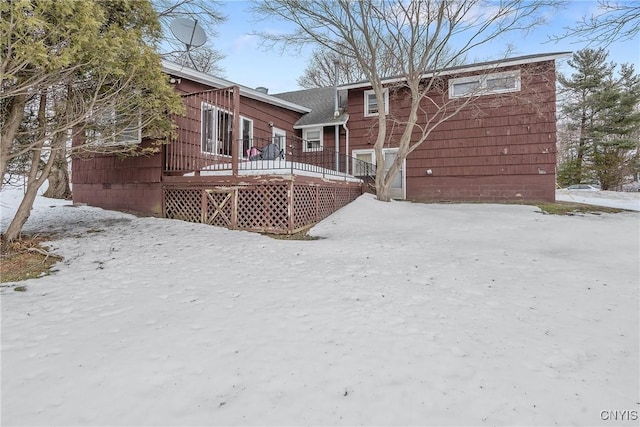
{"x": 501, "y": 148}
{"x": 136, "y": 197}
{"x": 135, "y": 183}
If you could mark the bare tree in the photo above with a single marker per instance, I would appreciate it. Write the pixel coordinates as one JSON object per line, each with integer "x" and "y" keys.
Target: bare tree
{"x": 204, "y": 59}
{"x": 321, "y": 70}
{"x": 614, "y": 21}
{"x": 207, "y": 14}
{"x": 421, "y": 36}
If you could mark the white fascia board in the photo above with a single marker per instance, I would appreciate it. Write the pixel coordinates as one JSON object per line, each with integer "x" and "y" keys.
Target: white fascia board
{"x": 209, "y": 80}
{"x": 468, "y": 69}
{"x": 317, "y": 125}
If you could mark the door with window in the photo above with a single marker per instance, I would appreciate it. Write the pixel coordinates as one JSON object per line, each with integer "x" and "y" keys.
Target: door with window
{"x": 398, "y": 184}
{"x": 359, "y": 169}
{"x": 216, "y": 130}
{"x": 280, "y": 139}
{"x": 246, "y": 137}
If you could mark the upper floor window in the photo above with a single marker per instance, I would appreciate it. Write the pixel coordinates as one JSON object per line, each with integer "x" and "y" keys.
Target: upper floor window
{"x": 312, "y": 139}
{"x": 371, "y": 104}
{"x": 488, "y": 84}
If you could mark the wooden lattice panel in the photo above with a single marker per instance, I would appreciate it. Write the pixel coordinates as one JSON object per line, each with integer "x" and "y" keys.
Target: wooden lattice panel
{"x": 263, "y": 207}
{"x": 260, "y": 207}
{"x": 183, "y": 204}
{"x": 219, "y": 208}
{"x": 326, "y": 202}
{"x": 304, "y": 205}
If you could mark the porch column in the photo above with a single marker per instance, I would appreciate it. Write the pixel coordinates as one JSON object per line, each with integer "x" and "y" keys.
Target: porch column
{"x": 235, "y": 131}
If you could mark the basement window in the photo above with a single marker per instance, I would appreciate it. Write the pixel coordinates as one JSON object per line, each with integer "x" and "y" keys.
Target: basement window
{"x": 487, "y": 84}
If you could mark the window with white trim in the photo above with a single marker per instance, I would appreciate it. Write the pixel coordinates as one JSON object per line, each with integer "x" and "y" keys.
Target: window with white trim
{"x": 371, "y": 103}
{"x": 216, "y": 130}
{"x": 246, "y": 136}
{"x": 312, "y": 139}
{"x": 508, "y": 81}
{"x": 109, "y": 128}
{"x": 363, "y": 162}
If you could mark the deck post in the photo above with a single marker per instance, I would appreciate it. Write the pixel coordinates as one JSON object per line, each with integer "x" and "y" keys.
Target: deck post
{"x": 290, "y": 209}
{"x": 203, "y": 206}
{"x": 235, "y": 131}
{"x": 234, "y": 209}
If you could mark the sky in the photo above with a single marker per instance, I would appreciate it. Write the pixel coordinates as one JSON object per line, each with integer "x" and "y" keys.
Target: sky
{"x": 248, "y": 62}
{"x": 448, "y": 314}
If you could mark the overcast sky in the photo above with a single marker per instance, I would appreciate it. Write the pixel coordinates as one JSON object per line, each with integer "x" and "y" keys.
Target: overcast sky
{"x": 250, "y": 64}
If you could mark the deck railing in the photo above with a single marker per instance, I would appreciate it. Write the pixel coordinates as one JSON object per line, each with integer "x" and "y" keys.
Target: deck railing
{"x": 209, "y": 139}
{"x": 293, "y": 158}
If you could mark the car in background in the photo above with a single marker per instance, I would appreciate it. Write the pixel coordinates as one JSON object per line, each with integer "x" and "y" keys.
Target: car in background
{"x": 584, "y": 187}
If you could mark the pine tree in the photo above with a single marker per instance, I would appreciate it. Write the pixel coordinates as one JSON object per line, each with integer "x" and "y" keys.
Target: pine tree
{"x": 601, "y": 110}
{"x": 64, "y": 65}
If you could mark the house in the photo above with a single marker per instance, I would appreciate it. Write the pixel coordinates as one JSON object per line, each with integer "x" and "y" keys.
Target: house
{"x": 207, "y": 172}
{"x": 499, "y": 147}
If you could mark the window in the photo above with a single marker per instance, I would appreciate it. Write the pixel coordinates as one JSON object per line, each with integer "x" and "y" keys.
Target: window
{"x": 485, "y": 85}
{"x": 216, "y": 130}
{"x": 371, "y": 104}
{"x": 312, "y": 139}
{"x": 111, "y": 128}
{"x": 363, "y": 163}
{"x": 246, "y": 136}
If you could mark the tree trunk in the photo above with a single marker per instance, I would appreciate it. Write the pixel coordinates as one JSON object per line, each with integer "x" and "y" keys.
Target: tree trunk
{"x": 383, "y": 190}
{"x": 9, "y": 130}
{"x": 59, "y": 178}
{"x": 34, "y": 182}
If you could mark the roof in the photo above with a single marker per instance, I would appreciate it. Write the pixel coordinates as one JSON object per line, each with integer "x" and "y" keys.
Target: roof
{"x": 321, "y": 102}
{"x": 178, "y": 70}
{"x": 505, "y": 62}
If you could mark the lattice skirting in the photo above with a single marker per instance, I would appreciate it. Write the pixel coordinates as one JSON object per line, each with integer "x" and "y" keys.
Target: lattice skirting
{"x": 275, "y": 207}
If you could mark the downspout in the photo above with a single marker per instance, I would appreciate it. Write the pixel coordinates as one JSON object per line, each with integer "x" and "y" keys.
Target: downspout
{"x": 336, "y": 113}
{"x": 346, "y": 148}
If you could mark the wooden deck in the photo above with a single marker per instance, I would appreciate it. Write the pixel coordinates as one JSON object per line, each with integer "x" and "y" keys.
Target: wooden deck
{"x": 272, "y": 204}
{"x": 209, "y": 178}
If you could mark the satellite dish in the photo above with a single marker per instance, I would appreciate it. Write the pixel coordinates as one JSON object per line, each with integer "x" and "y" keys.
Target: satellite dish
{"x": 188, "y": 32}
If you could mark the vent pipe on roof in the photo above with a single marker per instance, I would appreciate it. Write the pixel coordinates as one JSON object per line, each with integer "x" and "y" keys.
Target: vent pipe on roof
{"x": 262, "y": 89}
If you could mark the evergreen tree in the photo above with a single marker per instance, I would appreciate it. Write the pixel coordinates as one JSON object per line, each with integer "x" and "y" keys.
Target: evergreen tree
{"x": 601, "y": 109}
{"x": 85, "y": 66}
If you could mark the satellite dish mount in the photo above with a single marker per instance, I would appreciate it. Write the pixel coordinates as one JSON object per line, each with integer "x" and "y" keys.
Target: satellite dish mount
{"x": 189, "y": 33}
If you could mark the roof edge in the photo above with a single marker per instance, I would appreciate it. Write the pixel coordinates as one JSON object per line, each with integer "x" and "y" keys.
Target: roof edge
{"x": 317, "y": 125}
{"x": 207, "y": 79}
{"x": 529, "y": 59}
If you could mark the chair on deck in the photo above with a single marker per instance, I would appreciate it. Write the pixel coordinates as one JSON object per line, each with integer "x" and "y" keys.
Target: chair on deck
{"x": 269, "y": 152}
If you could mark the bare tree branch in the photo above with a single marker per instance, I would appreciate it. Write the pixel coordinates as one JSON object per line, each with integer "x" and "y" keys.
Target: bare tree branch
{"x": 419, "y": 36}
{"x": 614, "y": 21}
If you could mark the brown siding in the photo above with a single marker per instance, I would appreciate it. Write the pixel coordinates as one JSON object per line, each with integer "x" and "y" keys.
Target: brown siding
{"x": 112, "y": 182}
{"x": 261, "y": 113}
{"x": 500, "y": 148}
{"x": 135, "y": 183}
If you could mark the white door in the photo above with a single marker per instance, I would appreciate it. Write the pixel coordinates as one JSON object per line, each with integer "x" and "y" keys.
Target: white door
{"x": 280, "y": 139}
{"x": 398, "y": 184}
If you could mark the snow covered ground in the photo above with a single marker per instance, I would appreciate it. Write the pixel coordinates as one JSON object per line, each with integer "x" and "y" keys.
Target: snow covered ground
{"x": 401, "y": 314}
{"x": 611, "y": 199}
